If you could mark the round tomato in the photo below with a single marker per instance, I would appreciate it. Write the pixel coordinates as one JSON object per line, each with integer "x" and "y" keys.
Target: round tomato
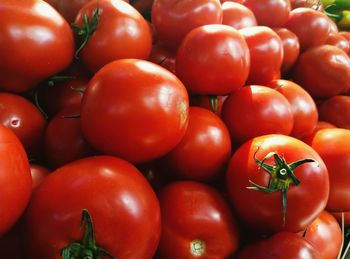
{"x": 336, "y": 110}
{"x": 134, "y": 109}
{"x": 276, "y": 183}
{"x": 68, "y": 8}
{"x": 38, "y": 173}
{"x": 216, "y": 44}
{"x": 237, "y": 15}
{"x": 196, "y": 222}
{"x": 339, "y": 41}
{"x": 124, "y": 210}
{"x": 36, "y": 43}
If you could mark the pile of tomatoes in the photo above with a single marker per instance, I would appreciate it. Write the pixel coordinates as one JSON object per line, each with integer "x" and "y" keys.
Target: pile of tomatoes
{"x": 174, "y": 129}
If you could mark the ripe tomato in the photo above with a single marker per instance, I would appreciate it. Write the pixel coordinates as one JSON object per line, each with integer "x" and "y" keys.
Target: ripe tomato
{"x": 287, "y": 198}
{"x": 36, "y": 42}
{"x": 173, "y": 19}
{"x": 25, "y": 120}
{"x": 323, "y": 71}
{"x": 191, "y": 159}
{"x": 15, "y": 181}
{"x": 216, "y": 44}
{"x": 123, "y": 207}
{"x": 68, "y": 8}
{"x": 263, "y": 9}
{"x": 304, "y": 109}
{"x": 339, "y": 41}
{"x": 325, "y": 235}
{"x": 134, "y": 109}
{"x": 196, "y": 222}
{"x": 38, "y": 173}
{"x": 346, "y": 35}
{"x": 266, "y": 54}
{"x": 311, "y": 27}
{"x": 336, "y": 110}
{"x": 237, "y": 15}
{"x": 163, "y": 57}
{"x": 120, "y": 32}
{"x": 332, "y": 145}
{"x": 266, "y": 111}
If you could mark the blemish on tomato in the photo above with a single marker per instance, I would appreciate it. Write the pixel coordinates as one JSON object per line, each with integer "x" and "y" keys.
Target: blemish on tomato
{"x": 197, "y": 247}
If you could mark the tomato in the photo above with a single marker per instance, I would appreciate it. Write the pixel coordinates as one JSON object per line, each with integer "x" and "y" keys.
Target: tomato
{"x": 331, "y": 145}
{"x": 123, "y": 207}
{"x": 325, "y": 235}
{"x": 280, "y": 246}
{"x": 64, "y": 141}
{"x": 336, "y": 110}
{"x": 304, "y": 109}
{"x": 173, "y": 19}
{"x": 319, "y": 125}
{"x": 339, "y": 41}
{"x": 346, "y": 35}
{"x": 216, "y": 44}
{"x": 311, "y": 27}
{"x": 339, "y": 217}
{"x": 263, "y": 9}
{"x": 266, "y": 111}
{"x": 25, "y": 120}
{"x": 196, "y": 222}
{"x": 121, "y": 32}
{"x": 68, "y": 8}
{"x": 323, "y": 71}
{"x": 212, "y": 103}
{"x": 191, "y": 159}
{"x": 15, "y": 181}
{"x": 266, "y": 54}
{"x": 134, "y": 109}
{"x": 163, "y": 57}
{"x": 38, "y": 173}
{"x": 290, "y": 196}
{"x": 291, "y": 48}
{"x": 36, "y": 42}
{"x": 237, "y": 15}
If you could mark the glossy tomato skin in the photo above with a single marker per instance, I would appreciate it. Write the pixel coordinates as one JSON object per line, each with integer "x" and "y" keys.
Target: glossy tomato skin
{"x": 131, "y": 37}
{"x": 123, "y": 207}
{"x": 266, "y": 111}
{"x": 266, "y": 54}
{"x": 134, "y": 109}
{"x": 280, "y": 246}
{"x": 191, "y": 159}
{"x": 262, "y": 10}
{"x": 336, "y": 110}
{"x": 339, "y": 41}
{"x": 330, "y": 145}
{"x": 38, "y": 173}
{"x": 311, "y": 27}
{"x": 68, "y": 9}
{"x": 216, "y": 44}
{"x": 237, "y": 15}
{"x": 325, "y": 235}
{"x": 173, "y": 19}
{"x": 163, "y": 57}
{"x": 305, "y": 114}
{"x": 262, "y": 212}
{"x": 195, "y": 215}
{"x": 25, "y": 120}
{"x": 346, "y": 35}
{"x": 16, "y": 182}
{"x": 323, "y": 71}
{"x": 291, "y": 48}
{"x": 36, "y": 43}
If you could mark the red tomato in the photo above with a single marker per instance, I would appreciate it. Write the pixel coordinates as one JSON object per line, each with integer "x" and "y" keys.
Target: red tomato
{"x": 173, "y": 19}
{"x": 121, "y": 32}
{"x": 38, "y": 173}
{"x": 163, "y": 57}
{"x": 271, "y": 13}
{"x": 304, "y": 109}
{"x": 336, "y": 110}
{"x": 64, "y": 141}
{"x": 25, "y": 120}
{"x": 15, "y": 181}
{"x": 346, "y": 35}
{"x": 331, "y": 145}
{"x": 339, "y": 41}
{"x": 325, "y": 235}
{"x": 290, "y": 196}
{"x": 291, "y": 48}
{"x": 311, "y": 27}
{"x": 319, "y": 125}
{"x": 323, "y": 71}
{"x": 134, "y": 109}
{"x": 123, "y": 207}
{"x": 266, "y": 111}
{"x": 196, "y": 222}
{"x": 266, "y": 54}
{"x": 216, "y": 44}
{"x": 212, "y": 103}
{"x": 36, "y": 42}
{"x": 280, "y": 246}
{"x": 191, "y": 159}
{"x": 237, "y": 15}
{"x": 68, "y": 8}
